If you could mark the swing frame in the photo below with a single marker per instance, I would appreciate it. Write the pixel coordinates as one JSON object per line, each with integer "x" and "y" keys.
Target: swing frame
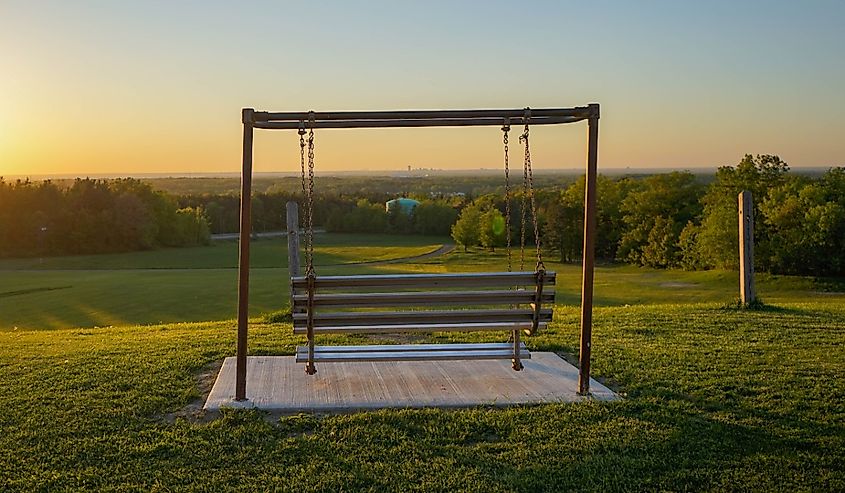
{"x": 252, "y": 120}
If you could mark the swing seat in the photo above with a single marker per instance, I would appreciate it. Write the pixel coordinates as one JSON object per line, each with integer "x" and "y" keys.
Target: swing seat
{"x": 411, "y": 352}
{"x": 365, "y": 304}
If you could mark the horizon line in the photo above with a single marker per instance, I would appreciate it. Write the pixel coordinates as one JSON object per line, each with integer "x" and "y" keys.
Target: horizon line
{"x": 418, "y": 172}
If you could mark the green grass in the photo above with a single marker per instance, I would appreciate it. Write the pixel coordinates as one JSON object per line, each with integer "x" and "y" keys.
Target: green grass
{"x": 716, "y": 399}
{"x": 179, "y": 284}
{"x": 200, "y": 284}
{"x": 330, "y": 249}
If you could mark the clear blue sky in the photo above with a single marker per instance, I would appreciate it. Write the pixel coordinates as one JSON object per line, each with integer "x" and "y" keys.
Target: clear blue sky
{"x": 103, "y": 86}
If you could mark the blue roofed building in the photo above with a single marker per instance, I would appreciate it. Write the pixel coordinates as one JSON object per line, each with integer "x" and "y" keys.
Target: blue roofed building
{"x": 405, "y": 205}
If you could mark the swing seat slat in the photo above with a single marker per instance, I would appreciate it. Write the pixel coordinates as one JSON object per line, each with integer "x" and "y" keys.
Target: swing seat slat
{"x": 410, "y": 352}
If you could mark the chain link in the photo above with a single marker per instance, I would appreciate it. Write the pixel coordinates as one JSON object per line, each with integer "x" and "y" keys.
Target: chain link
{"x": 506, "y": 127}
{"x": 302, "y": 156}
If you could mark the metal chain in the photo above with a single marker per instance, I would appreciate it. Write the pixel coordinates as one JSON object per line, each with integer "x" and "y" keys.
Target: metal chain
{"x": 310, "y": 210}
{"x": 506, "y": 127}
{"x": 308, "y": 193}
{"x": 302, "y": 133}
{"x": 302, "y": 156}
{"x": 523, "y": 199}
{"x": 528, "y": 181}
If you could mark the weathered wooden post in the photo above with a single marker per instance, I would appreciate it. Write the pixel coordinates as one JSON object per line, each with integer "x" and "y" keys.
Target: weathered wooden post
{"x": 243, "y": 256}
{"x": 292, "y": 209}
{"x": 589, "y": 252}
{"x": 747, "y": 294}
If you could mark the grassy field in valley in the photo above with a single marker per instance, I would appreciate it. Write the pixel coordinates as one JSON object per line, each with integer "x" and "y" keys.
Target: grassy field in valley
{"x": 178, "y": 284}
{"x": 716, "y": 398}
{"x": 200, "y": 284}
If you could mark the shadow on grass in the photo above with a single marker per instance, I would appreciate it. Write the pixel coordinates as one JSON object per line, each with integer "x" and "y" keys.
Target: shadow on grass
{"x": 759, "y": 306}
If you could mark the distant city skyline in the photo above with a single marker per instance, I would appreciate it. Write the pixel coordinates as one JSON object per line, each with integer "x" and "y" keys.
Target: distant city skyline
{"x": 100, "y": 87}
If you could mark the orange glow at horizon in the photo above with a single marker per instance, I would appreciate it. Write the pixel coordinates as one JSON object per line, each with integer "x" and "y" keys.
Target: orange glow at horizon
{"x": 131, "y": 88}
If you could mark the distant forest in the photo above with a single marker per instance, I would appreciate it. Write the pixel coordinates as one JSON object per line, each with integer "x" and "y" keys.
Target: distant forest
{"x": 93, "y": 216}
{"x": 675, "y": 220}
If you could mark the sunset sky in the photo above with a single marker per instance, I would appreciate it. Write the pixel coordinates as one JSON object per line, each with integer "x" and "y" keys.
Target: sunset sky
{"x": 92, "y": 87}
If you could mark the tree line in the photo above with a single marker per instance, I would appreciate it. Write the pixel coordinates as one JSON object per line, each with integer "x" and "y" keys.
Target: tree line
{"x": 342, "y": 213}
{"x": 671, "y": 220}
{"x": 93, "y": 216}
{"x": 675, "y": 220}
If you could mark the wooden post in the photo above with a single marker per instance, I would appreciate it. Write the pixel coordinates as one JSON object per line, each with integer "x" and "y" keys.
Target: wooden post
{"x": 292, "y": 209}
{"x": 589, "y": 252}
{"x": 243, "y": 257}
{"x": 746, "y": 248}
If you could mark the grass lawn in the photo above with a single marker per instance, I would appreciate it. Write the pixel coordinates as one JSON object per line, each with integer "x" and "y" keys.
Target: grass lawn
{"x": 178, "y": 284}
{"x": 200, "y": 284}
{"x": 329, "y": 249}
{"x": 716, "y": 399}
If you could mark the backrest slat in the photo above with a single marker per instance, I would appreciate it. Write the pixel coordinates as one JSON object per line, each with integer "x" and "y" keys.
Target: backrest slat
{"x": 324, "y": 319}
{"x": 423, "y": 298}
{"x": 411, "y": 281}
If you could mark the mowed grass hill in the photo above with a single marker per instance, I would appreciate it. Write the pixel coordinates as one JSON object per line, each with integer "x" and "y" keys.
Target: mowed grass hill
{"x": 200, "y": 284}
{"x": 715, "y": 398}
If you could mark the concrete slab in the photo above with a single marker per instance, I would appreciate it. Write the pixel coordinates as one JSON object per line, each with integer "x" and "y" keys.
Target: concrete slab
{"x": 278, "y": 384}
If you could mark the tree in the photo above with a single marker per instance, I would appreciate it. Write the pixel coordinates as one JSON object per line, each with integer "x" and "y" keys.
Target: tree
{"x": 466, "y": 231}
{"x": 491, "y": 228}
{"x": 661, "y": 248}
{"x": 689, "y": 255}
{"x": 398, "y": 220}
{"x": 564, "y": 223}
{"x": 654, "y": 214}
{"x": 806, "y": 228}
{"x": 718, "y": 240}
{"x": 434, "y": 218}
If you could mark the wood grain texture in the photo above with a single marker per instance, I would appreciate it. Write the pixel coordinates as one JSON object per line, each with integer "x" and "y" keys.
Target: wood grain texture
{"x": 747, "y": 291}
{"x": 407, "y": 328}
{"x": 277, "y": 383}
{"x": 472, "y": 279}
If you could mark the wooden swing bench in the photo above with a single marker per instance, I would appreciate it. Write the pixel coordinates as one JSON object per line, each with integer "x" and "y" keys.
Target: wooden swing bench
{"x": 512, "y": 301}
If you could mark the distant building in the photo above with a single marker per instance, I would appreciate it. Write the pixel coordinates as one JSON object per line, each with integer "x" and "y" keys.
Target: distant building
{"x": 405, "y": 205}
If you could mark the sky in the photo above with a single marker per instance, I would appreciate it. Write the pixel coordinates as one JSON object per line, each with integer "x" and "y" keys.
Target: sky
{"x": 95, "y": 87}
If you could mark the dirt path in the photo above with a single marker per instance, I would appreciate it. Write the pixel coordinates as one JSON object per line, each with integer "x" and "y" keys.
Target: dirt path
{"x": 442, "y": 250}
